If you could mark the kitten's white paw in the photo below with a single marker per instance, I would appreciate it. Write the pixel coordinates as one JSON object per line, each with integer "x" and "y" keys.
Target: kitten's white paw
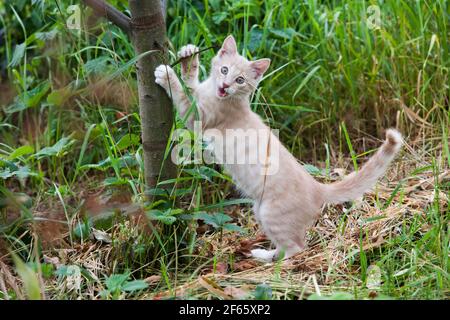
{"x": 187, "y": 51}
{"x": 264, "y": 255}
{"x": 164, "y": 74}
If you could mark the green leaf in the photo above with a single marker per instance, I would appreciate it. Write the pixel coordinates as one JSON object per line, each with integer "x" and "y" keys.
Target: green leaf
{"x": 56, "y": 150}
{"x": 70, "y": 270}
{"x": 222, "y": 218}
{"x": 29, "y": 278}
{"x": 263, "y": 292}
{"x": 218, "y": 17}
{"x": 17, "y": 106}
{"x": 63, "y": 271}
{"x": 21, "y": 151}
{"x": 134, "y": 285}
{"x": 20, "y": 173}
{"x": 115, "y": 281}
{"x": 217, "y": 220}
{"x": 157, "y": 192}
{"x": 127, "y": 160}
{"x": 166, "y": 219}
{"x": 44, "y": 36}
{"x": 256, "y": 36}
{"x": 29, "y": 99}
{"x": 158, "y": 215}
{"x": 128, "y": 140}
{"x": 8, "y": 164}
{"x": 181, "y": 192}
{"x": 287, "y": 33}
{"x": 233, "y": 227}
{"x": 82, "y": 230}
{"x": 173, "y": 211}
{"x": 47, "y": 269}
{"x": 23, "y": 172}
{"x": 102, "y": 165}
{"x": 39, "y": 3}
{"x": 335, "y": 296}
{"x": 113, "y": 181}
{"x": 207, "y": 218}
{"x": 312, "y": 169}
{"x": 227, "y": 203}
{"x": 34, "y": 96}
{"x": 97, "y": 65}
{"x": 204, "y": 172}
{"x": 58, "y": 97}
{"x": 5, "y": 174}
{"x": 18, "y": 54}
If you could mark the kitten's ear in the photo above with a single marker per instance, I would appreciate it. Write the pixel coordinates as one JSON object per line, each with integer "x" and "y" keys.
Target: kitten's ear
{"x": 228, "y": 46}
{"x": 260, "y": 66}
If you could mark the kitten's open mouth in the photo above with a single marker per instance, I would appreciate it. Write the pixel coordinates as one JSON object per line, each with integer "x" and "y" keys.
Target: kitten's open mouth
{"x": 222, "y": 93}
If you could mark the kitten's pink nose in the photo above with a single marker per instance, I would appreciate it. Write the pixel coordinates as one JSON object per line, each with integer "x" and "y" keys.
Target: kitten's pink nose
{"x": 224, "y": 85}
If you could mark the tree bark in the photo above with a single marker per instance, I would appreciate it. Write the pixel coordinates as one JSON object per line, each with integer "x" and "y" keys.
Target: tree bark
{"x": 149, "y": 33}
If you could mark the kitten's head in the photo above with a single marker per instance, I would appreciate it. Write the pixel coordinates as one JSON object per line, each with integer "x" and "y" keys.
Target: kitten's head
{"x": 233, "y": 75}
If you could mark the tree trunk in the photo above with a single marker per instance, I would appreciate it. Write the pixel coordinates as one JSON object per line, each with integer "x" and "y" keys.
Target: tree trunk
{"x": 149, "y": 33}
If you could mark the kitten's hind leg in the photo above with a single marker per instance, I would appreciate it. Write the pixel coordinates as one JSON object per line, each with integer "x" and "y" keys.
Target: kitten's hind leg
{"x": 263, "y": 255}
{"x": 189, "y": 65}
{"x": 274, "y": 255}
{"x": 286, "y": 253}
{"x": 282, "y": 228}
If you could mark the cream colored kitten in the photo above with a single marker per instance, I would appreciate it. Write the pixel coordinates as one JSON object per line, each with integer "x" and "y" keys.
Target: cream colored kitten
{"x": 287, "y": 202}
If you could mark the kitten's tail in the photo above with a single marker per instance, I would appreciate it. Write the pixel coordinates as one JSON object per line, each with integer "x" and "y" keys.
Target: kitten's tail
{"x": 355, "y": 184}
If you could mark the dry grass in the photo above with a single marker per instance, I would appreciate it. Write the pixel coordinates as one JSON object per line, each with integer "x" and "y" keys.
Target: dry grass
{"x": 319, "y": 268}
{"x": 220, "y": 267}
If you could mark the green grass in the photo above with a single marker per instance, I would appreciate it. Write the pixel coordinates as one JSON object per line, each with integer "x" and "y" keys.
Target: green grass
{"x": 68, "y": 150}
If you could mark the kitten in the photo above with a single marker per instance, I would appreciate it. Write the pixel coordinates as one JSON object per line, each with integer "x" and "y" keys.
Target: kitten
{"x": 289, "y": 200}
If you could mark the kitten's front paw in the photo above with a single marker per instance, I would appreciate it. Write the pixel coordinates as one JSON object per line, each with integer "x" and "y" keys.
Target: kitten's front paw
{"x": 187, "y": 51}
{"x": 163, "y": 75}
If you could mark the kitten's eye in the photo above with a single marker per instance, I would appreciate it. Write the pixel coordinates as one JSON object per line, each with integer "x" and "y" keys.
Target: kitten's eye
{"x": 224, "y": 70}
{"x": 240, "y": 80}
